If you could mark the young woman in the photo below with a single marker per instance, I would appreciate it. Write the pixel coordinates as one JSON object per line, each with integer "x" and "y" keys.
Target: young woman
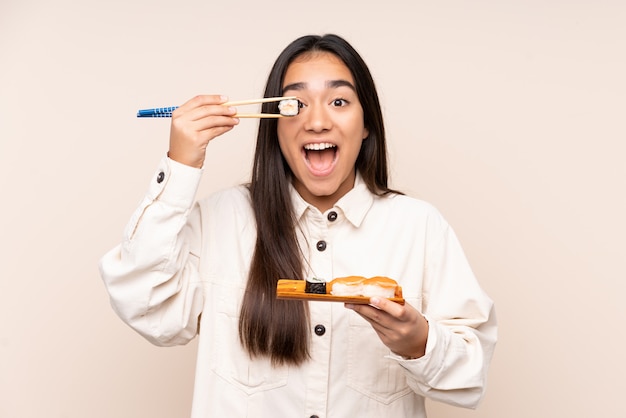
{"x": 318, "y": 205}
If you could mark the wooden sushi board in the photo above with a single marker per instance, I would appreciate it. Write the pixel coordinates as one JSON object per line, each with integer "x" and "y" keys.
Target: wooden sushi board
{"x": 294, "y": 289}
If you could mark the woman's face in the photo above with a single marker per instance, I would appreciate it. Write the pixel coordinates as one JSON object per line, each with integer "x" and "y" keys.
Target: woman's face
{"x": 322, "y": 142}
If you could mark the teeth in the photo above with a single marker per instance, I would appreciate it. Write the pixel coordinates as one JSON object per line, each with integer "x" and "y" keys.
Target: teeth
{"x": 319, "y": 147}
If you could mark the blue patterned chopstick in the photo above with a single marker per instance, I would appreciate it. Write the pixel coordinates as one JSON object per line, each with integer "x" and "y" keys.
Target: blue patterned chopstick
{"x": 159, "y": 112}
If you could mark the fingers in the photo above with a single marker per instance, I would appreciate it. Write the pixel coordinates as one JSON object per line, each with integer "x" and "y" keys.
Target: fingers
{"x": 392, "y": 308}
{"x": 378, "y": 307}
{"x": 195, "y": 124}
{"x": 202, "y": 106}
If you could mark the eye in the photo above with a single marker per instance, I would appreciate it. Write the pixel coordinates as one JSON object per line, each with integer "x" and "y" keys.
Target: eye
{"x": 339, "y": 102}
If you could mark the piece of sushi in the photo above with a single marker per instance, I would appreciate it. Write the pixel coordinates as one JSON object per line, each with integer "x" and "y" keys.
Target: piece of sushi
{"x": 315, "y": 285}
{"x": 289, "y": 107}
{"x": 380, "y": 286}
{"x": 346, "y": 286}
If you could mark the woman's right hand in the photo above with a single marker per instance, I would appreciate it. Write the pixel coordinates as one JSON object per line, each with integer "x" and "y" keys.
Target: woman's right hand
{"x": 195, "y": 124}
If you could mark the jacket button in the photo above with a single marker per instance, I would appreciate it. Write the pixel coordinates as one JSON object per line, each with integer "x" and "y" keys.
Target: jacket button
{"x": 332, "y": 216}
{"x": 160, "y": 177}
{"x": 321, "y": 245}
{"x": 320, "y": 330}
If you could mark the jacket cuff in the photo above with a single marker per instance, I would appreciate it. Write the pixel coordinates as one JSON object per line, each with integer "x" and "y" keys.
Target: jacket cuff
{"x": 429, "y": 364}
{"x": 175, "y": 184}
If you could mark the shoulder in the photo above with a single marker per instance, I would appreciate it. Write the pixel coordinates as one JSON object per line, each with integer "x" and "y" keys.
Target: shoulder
{"x": 231, "y": 199}
{"x": 411, "y": 212}
{"x": 408, "y": 204}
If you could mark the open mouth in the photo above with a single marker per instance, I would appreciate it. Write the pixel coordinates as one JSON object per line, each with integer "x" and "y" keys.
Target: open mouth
{"x": 320, "y": 157}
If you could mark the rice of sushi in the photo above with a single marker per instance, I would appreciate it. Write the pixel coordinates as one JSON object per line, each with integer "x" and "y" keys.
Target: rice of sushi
{"x": 289, "y": 107}
{"x": 347, "y": 286}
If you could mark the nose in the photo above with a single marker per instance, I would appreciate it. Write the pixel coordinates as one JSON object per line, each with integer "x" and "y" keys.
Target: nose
{"x": 317, "y": 118}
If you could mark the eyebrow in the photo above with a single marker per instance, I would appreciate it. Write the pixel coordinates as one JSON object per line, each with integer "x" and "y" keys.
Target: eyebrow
{"x": 333, "y": 84}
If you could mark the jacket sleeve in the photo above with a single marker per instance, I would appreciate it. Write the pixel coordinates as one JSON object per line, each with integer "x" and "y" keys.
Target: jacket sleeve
{"x": 152, "y": 276}
{"x": 462, "y": 326}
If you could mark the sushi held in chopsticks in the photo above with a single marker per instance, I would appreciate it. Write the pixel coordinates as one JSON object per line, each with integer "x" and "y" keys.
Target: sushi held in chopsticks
{"x": 289, "y": 107}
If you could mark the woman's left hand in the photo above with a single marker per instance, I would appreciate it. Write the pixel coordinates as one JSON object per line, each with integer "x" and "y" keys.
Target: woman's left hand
{"x": 400, "y": 327}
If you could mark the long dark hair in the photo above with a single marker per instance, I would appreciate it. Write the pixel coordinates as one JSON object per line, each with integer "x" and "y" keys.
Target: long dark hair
{"x": 280, "y": 328}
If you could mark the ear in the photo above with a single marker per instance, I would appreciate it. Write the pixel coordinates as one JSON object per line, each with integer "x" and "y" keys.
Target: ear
{"x": 366, "y": 133}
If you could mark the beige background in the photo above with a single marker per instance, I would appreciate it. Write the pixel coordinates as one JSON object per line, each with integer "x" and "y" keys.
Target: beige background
{"x": 509, "y": 116}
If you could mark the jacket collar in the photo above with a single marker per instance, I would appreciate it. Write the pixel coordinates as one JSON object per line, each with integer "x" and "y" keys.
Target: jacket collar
{"x": 354, "y": 205}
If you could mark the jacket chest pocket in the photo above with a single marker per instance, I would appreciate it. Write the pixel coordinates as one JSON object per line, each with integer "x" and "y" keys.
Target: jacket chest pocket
{"x": 229, "y": 360}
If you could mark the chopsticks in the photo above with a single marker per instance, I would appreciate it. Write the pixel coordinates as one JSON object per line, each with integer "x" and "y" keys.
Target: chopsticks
{"x": 166, "y": 112}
